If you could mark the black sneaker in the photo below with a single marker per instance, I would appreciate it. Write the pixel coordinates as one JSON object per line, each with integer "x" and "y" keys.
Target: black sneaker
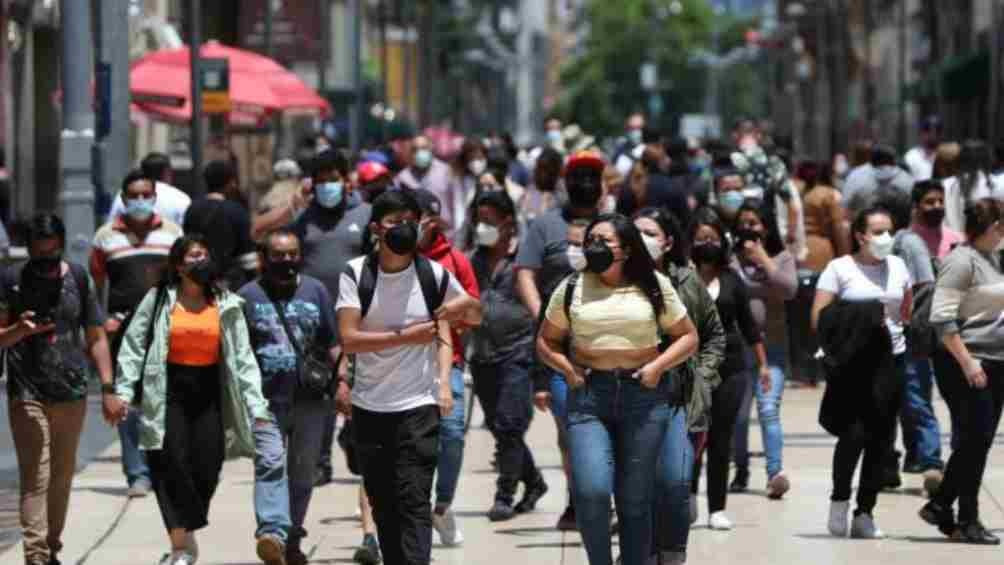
{"x": 54, "y": 561}
{"x": 531, "y": 495}
{"x": 369, "y": 552}
{"x": 741, "y": 483}
{"x": 942, "y": 518}
{"x": 501, "y": 511}
{"x": 567, "y": 521}
{"x": 974, "y": 532}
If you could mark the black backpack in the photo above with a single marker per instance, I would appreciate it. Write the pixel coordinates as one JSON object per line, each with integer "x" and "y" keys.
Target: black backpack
{"x": 434, "y": 292}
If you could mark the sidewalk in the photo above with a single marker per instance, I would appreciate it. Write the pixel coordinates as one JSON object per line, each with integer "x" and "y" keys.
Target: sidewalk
{"x": 106, "y": 529}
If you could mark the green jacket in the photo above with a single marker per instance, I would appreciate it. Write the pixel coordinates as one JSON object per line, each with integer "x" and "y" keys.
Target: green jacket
{"x": 241, "y": 380}
{"x": 711, "y": 352}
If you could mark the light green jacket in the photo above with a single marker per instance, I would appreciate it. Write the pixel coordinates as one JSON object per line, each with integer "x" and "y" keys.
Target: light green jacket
{"x": 241, "y": 380}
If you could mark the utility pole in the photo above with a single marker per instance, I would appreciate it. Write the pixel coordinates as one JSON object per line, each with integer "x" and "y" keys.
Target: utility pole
{"x": 77, "y": 137}
{"x": 904, "y": 60}
{"x": 112, "y": 149}
{"x": 356, "y": 117}
{"x": 993, "y": 112}
{"x": 197, "y": 130}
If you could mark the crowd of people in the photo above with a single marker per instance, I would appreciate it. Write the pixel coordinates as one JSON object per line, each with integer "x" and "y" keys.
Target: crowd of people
{"x": 647, "y": 298}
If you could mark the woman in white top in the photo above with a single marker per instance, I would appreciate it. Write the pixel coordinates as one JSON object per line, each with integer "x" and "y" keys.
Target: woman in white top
{"x": 972, "y": 183}
{"x": 870, "y": 273}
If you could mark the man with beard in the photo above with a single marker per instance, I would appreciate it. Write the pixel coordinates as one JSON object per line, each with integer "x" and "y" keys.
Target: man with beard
{"x": 920, "y": 159}
{"x": 290, "y": 318}
{"x": 542, "y": 262}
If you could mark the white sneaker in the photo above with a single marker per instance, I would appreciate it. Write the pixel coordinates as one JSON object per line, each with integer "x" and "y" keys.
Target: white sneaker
{"x": 166, "y": 559}
{"x": 693, "y": 509}
{"x": 183, "y": 558}
{"x": 719, "y": 521}
{"x": 446, "y": 527}
{"x": 838, "y": 518}
{"x": 863, "y": 527}
{"x": 192, "y": 546}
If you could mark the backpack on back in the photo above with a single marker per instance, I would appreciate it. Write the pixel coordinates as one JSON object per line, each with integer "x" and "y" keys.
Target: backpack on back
{"x": 434, "y": 292}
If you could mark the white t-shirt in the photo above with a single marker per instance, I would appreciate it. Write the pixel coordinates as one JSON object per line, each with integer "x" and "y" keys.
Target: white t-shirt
{"x": 401, "y": 378}
{"x": 921, "y": 164}
{"x": 887, "y": 282}
{"x": 171, "y": 204}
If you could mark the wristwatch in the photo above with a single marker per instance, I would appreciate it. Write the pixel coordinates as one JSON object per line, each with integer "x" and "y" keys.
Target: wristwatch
{"x": 108, "y": 388}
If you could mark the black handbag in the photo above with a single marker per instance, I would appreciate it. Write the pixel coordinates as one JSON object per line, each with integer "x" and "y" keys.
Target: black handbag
{"x": 314, "y": 376}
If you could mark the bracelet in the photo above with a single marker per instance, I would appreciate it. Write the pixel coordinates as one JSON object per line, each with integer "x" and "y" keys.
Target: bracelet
{"x": 107, "y": 388}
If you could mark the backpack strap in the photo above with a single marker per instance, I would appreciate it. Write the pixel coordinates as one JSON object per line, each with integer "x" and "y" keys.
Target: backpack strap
{"x": 365, "y": 284}
{"x": 573, "y": 281}
{"x": 434, "y": 292}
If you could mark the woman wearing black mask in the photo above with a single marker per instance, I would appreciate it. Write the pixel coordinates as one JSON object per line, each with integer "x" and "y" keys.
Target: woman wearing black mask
{"x": 186, "y": 359}
{"x": 710, "y": 253}
{"x": 616, "y": 314}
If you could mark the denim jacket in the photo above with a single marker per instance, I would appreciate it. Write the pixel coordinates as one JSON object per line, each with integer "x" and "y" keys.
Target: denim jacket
{"x": 241, "y": 397}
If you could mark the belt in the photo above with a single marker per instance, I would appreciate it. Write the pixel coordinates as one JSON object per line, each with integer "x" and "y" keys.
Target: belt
{"x": 619, "y": 374}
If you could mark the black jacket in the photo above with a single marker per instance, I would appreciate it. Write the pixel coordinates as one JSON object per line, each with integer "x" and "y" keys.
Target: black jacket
{"x": 862, "y": 381}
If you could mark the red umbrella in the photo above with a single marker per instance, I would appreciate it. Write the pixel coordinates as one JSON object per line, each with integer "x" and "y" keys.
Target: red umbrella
{"x": 258, "y": 85}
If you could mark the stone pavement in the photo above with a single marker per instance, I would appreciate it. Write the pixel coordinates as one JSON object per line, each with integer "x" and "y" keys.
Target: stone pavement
{"x": 106, "y": 529}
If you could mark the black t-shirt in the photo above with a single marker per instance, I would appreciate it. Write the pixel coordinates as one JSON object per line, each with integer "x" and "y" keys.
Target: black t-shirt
{"x": 227, "y": 227}
{"x": 507, "y": 327}
{"x": 660, "y": 192}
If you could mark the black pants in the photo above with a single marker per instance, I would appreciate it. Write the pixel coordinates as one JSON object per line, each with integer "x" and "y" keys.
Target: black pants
{"x": 977, "y": 413}
{"x": 186, "y": 470}
{"x": 398, "y": 453}
{"x": 802, "y": 341}
{"x": 504, "y": 390}
{"x": 725, "y": 401}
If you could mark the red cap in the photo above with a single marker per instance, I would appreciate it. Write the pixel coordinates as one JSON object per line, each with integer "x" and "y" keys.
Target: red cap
{"x": 370, "y": 171}
{"x": 587, "y": 158}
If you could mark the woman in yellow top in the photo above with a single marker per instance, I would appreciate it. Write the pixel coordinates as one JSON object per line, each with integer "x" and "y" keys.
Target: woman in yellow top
{"x": 627, "y": 328}
{"x": 201, "y": 389}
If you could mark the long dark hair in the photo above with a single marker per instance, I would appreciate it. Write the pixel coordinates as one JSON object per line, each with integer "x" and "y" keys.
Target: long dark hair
{"x": 860, "y": 224}
{"x": 670, "y": 226}
{"x": 176, "y": 259}
{"x": 772, "y": 238}
{"x": 708, "y": 217}
{"x": 975, "y": 159}
{"x": 639, "y": 269}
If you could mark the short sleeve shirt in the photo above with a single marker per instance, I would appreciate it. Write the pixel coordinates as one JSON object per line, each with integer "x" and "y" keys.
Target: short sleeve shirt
{"x": 543, "y": 249}
{"x": 886, "y": 282}
{"x": 400, "y": 378}
{"x": 614, "y": 318}
{"x": 51, "y": 367}
{"x": 310, "y": 313}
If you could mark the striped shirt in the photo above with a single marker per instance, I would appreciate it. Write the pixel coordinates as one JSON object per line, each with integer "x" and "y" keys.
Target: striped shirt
{"x": 969, "y": 300}
{"x": 128, "y": 265}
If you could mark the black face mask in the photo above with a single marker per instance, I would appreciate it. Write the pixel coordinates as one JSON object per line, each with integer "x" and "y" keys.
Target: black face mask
{"x": 707, "y": 253}
{"x": 45, "y": 266}
{"x": 933, "y": 217}
{"x": 584, "y": 192}
{"x": 599, "y": 257}
{"x": 203, "y": 273}
{"x": 282, "y": 272}
{"x": 402, "y": 239}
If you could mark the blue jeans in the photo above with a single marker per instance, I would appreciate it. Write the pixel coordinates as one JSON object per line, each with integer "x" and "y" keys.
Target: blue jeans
{"x": 921, "y": 432}
{"x": 616, "y": 430}
{"x": 559, "y": 407}
{"x": 451, "y": 443}
{"x": 286, "y": 452}
{"x": 672, "y": 487}
{"x": 133, "y": 459}
{"x": 768, "y": 405}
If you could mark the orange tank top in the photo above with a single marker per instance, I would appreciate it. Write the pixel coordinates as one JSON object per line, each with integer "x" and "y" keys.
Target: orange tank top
{"x": 195, "y": 337}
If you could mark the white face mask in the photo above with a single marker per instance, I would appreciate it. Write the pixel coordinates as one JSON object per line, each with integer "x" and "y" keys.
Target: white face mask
{"x": 653, "y": 246}
{"x": 881, "y": 245}
{"x": 576, "y": 257}
{"x": 487, "y": 236}
{"x": 477, "y": 167}
{"x": 608, "y": 204}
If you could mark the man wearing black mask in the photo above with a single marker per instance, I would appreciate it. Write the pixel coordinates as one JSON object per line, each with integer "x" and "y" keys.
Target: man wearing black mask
{"x": 542, "y": 262}
{"x": 290, "y": 317}
{"x": 331, "y": 233}
{"x": 394, "y": 311}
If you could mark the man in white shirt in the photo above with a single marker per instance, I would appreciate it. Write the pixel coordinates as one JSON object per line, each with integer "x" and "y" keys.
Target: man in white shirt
{"x": 394, "y": 314}
{"x": 172, "y": 203}
{"x": 920, "y": 159}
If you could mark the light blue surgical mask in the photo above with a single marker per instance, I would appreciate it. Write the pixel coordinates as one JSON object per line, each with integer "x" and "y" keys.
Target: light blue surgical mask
{"x": 423, "y": 158}
{"x": 139, "y": 209}
{"x": 329, "y": 194}
{"x": 553, "y": 136}
{"x": 731, "y": 201}
{"x": 634, "y": 136}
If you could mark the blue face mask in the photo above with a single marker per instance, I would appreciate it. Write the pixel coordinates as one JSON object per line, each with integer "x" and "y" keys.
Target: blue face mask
{"x": 139, "y": 209}
{"x": 731, "y": 201}
{"x": 554, "y": 136}
{"x": 423, "y": 158}
{"x": 328, "y": 194}
{"x": 634, "y": 136}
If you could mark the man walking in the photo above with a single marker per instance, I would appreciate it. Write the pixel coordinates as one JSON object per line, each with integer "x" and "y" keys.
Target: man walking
{"x": 129, "y": 256}
{"x": 291, "y": 324}
{"x": 172, "y": 203}
{"x": 394, "y": 312}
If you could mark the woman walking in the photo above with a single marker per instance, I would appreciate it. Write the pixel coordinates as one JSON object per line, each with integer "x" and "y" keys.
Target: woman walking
{"x": 967, "y": 311}
{"x": 187, "y": 361}
{"x": 862, "y": 302}
{"x": 616, "y": 314}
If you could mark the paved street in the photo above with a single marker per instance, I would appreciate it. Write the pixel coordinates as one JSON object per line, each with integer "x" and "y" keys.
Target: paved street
{"x": 105, "y": 529}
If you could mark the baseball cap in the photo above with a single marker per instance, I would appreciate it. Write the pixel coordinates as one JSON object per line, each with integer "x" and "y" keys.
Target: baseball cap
{"x": 370, "y": 171}
{"x": 286, "y": 169}
{"x": 588, "y": 159}
{"x": 930, "y": 123}
{"x": 427, "y": 201}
